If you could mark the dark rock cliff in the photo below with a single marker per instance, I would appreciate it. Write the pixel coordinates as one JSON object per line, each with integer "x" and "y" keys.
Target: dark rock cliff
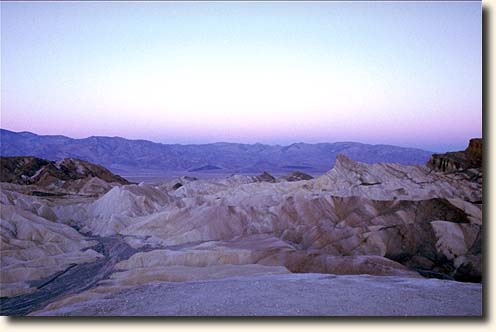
{"x": 470, "y": 158}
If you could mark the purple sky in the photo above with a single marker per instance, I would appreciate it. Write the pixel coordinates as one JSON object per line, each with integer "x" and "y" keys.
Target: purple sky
{"x": 402, "y": 73}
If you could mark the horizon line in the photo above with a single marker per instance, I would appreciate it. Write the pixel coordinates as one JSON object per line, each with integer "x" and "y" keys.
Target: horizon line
{"x": 216, "y": 142}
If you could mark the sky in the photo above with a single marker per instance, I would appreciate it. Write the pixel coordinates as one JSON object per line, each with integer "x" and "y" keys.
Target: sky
{"x": 401, "y": 73}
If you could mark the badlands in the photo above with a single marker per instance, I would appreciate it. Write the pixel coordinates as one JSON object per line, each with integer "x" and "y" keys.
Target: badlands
{"x": 362, "y": 239}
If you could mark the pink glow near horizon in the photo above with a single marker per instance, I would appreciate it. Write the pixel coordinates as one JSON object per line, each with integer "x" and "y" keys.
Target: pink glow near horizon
{"x": 392, "y": 73}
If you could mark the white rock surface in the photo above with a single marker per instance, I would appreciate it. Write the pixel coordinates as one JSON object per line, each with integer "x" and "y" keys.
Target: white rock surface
{"x": 380, "y": 219}
{"x": 34, "y": 248}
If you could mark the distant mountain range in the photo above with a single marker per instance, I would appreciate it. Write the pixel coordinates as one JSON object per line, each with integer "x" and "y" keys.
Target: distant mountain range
{"x": 134, "y": 157}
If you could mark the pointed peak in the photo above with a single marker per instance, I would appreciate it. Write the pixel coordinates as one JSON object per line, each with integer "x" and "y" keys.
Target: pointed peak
{"x": 344, "y": 161}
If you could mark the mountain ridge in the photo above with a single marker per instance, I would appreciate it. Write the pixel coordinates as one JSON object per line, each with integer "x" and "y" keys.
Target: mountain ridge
{"x": 24, "y": 132}
{"x": 126, "y": 156}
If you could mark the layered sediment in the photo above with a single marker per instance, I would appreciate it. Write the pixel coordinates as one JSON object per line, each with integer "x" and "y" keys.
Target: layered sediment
{"x": 470, "y": 158}
{"x": 376, "y": 219}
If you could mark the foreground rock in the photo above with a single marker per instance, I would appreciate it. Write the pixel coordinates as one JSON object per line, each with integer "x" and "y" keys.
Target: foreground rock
{"x": 284, "y": 295}
{"x": 73, "y": 280}
{"x": 34, "y": 248}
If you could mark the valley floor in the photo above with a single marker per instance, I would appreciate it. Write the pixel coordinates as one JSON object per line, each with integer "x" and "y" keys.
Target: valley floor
{"x": 294, "y": 294}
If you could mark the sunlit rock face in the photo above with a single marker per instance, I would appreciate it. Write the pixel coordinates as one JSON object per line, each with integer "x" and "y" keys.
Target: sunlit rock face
{"x": 377, "y": 219}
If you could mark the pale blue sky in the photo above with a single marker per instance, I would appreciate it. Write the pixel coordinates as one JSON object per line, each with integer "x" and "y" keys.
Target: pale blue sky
{"x": 386, "y": 72}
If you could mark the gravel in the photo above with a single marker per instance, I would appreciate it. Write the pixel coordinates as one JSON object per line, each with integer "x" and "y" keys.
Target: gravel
{"x": 289, "y": 295}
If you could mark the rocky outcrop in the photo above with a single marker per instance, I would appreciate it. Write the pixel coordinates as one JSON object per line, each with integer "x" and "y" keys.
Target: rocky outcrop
{"x": 67, "y": 175}
{"x": 470, "y": 158}
{"x": 474, "y": 149}
{"x": 386, "y": 181}
{"x": 20, "y": 170}
{"x": 296, "y": 176}
{"x": 78, "y": 169}
{"x": 265, "y": 177}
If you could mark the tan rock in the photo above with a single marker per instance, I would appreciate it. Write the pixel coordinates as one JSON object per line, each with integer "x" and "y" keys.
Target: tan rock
{"x": 451, "y": 240}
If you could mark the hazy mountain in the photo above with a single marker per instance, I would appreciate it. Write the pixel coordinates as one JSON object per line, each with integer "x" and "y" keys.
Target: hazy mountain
{"x": 126, "y": 156}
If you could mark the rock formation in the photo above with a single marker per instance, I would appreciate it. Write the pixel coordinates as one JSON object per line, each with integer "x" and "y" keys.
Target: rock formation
{"x": 34, "y": 246}
{"x": 474, "y": 149}
{"x": 265, "y": 177}
{"x": 379, "y": 219}
{"x": 65, "y": 176}
{"x": 470, "y": 158}
{"x": 297, "y": 176}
